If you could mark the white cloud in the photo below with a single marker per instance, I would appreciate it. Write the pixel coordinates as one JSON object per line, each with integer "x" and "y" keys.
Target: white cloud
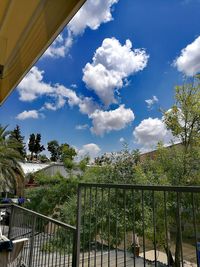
{"x": 111, "y": 65}
{"x": 32, "y": 86}
{"x": 92, "y": 14}
{"x": 151, "y": 102}
{"x": 31, "y": 114}
{"x": 82, "y": 127}
{"x": 122, "y": 140}
{"x": 57, "y": 48}
{"x": 189, "y": 60}
{"x": 92, "y": 150}
{"x": 150, "y": 131}
{"x": 106, "y": 121}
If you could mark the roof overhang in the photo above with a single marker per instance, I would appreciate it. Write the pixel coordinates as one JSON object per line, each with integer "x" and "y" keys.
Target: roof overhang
{"x": 27, "y": 28}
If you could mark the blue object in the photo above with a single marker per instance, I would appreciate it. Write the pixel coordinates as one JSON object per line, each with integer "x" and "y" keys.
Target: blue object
{"x": 6, "y": 245}
{"x": 198, "y": 253}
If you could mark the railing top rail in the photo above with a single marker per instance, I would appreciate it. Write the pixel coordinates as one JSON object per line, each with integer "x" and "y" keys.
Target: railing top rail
{"x": 39, "y": 215}
{"x": 191, "y": 189}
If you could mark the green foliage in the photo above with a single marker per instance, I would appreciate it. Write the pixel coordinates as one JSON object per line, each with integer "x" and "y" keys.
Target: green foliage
{"x": 11, "y": 173}
{"x": 16, "y": 136}
{"x": 67, "y": 152}
{"x": 83, "y": 163}
{"x": 34, "y": 145}
{"x": 51, "y": 194}
{"x": 54, "y": 148}
{"x": 183, "y": 119}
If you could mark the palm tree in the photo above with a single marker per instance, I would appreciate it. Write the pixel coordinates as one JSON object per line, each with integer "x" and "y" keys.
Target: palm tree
{"x": 11, "y": 173}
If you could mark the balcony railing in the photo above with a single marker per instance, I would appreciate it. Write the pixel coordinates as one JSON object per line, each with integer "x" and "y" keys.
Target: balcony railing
{"x": 50, "y": 242}
{"x": 117, "y": 225}
{"x": 133, "y": 225}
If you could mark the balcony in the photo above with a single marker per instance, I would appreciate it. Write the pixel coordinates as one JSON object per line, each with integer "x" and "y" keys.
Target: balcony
{"x": 117, "y": 225}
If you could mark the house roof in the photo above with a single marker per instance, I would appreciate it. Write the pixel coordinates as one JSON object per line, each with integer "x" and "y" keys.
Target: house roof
{"x": 32, "y": 167}
{"x": 27, "y": 28}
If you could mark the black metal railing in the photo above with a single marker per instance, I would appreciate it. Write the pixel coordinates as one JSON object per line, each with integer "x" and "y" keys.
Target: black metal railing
{"x": 117, "y": 225}
{"x": 133, "y": 225}
{"x": 50, "y": 242}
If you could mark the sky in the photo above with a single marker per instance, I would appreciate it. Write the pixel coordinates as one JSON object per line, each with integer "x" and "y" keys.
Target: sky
{"x": 105, "y": 78}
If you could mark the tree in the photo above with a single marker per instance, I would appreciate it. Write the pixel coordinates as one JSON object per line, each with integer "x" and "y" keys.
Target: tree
{"x": 183, "y": 119}
{"x": 38, "y": 148}
{"x": 54, "y": 149}
{"x": 11, "y": 173}
{"x": 16, "y": 135}
{"x": 31, "y": 145}
{"x": 34, "y": 145}
{"x": 67, "y": 152}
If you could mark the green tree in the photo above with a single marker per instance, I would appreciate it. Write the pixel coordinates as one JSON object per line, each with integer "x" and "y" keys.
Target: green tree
{"x": 34, "y": 145}
{"x": 54, "y": 149}
{"x": 16, "y": 135}
{"x": 183, "y": 119}
{"x": 11, "y": 173}
{"x": 38, "y": 148}
{"x": 31, "y": 144}
{"x": 67, "y": 152}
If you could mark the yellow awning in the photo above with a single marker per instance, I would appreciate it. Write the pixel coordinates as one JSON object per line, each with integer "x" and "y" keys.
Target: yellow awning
{"x": 27, "y": 28}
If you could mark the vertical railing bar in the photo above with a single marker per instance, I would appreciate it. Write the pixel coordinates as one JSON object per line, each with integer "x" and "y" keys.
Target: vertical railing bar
{"x": 154, "y": 228}
{"x": 68, "y": 251}
{"x": 195, "y": 228}
{"x": 83, "y": 238}
{"x": 108, "y": 227}
{"x": 124, "y": 219}
{"x": 56, "y": 234}
{"x": 32, "y": 241}
{"x": 180, "y": 225}
{"x": 133, "y": 214}
{"x": 143, "y": 227}
{"x": 11, "y": 221}
{"x": 166, "y": 227}
{"x": 96, "y": 220}
{"x": 50, "y": 238}
{"x": 76, "y": 253}
{"x": 102, "y": 194}
{"x": 25, "y": 250}
{"x": 40, "y": 240}
{"x": 68, "y": 254}
{"x": 43, "y": 242}
{"x": 61, "y": 246}
{"x": 116, "y": 230}
{"x": 46, "y": 242}
{"x": 90, "y": 207}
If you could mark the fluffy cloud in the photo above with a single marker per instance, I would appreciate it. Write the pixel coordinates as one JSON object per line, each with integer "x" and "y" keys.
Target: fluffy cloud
{"x": 189, "y": 60}
{"x": 91, "y": 15}
{"x": 111, "y": 65}
{"x": 122, "y": 140}
{"x": 58, "y": 48}
{"x": 31, "y": 114}
{"x": 32, "y": 86}
{"x": 150, "y": 102}
{"x": 91, "y": 150}
{"x": 106, "y": 121}
{"x": 150, "y": 131}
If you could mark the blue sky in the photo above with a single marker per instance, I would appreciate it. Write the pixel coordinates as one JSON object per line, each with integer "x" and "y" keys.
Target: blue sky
{"x": 104, "y": 79}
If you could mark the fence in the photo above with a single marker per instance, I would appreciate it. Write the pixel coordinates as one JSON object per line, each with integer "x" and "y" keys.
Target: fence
{"x": 50, "y": 242}
{"x": 116, "y": 223}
